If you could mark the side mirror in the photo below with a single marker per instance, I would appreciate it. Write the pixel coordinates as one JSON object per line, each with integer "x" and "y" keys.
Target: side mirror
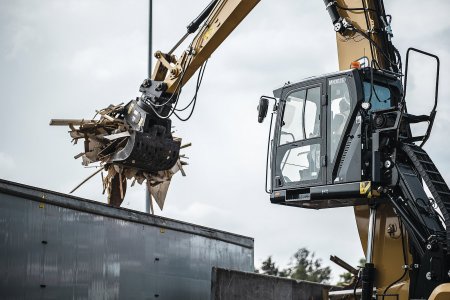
{"x": 262, "y": 108}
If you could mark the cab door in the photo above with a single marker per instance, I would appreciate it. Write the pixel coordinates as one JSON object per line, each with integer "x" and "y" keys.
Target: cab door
{"x": 343, "y": 137}
{"x": 300, "y": 143}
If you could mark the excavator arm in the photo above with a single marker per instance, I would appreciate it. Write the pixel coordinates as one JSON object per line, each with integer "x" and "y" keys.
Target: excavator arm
{"x": 220, "y": 18}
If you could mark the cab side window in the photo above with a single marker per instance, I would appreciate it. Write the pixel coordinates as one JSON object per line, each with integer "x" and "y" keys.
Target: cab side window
{"x": 301, "y": 118}
{"x": 340, "y": 110}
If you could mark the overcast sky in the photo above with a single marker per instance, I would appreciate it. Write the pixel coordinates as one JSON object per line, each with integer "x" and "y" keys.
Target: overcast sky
{"x": 66, "y": 58}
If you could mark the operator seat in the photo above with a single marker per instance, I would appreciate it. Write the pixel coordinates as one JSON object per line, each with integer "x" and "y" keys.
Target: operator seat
{"x": 339, "y": 120}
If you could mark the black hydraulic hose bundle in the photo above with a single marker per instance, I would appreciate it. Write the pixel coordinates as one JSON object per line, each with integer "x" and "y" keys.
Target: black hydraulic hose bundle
{"x": 194, "y": 25}
{"x": 332, "y": 11}
{"x": 191, "y": 28}
{"x": 391, "y": 54}
{"x": 194, "y": 98}
{"x": 405, "y": 260}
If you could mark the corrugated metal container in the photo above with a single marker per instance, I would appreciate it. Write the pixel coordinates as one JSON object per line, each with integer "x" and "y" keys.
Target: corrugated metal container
{"x": 55, "y": 246}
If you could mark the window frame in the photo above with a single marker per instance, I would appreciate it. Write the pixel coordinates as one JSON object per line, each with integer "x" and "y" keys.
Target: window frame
{"x": 320, "y": 140}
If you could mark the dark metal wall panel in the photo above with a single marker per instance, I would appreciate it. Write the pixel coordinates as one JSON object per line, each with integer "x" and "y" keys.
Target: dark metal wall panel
{"x": 48, "y": 251}
{"x": 237, "y": 285}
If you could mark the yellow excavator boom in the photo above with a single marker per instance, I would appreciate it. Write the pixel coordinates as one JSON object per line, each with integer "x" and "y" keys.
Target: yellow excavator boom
{"x": 223, "y": 19}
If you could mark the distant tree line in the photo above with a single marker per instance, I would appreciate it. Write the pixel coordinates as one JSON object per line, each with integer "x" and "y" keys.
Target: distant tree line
{"x": 304, "y": 266}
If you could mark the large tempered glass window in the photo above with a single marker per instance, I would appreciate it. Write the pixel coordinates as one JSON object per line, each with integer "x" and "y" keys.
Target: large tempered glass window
{"x": 380, "y": 97}
{"x": 312, "y": 113}
{"x": 291, "y": 128}
{"x": 340, "y": 110}
{"x": 301, "y": 163}
{"x": 301, "y": 118}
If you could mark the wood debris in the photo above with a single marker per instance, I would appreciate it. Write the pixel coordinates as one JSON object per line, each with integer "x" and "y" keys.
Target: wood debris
{"x": 105, "y": 135}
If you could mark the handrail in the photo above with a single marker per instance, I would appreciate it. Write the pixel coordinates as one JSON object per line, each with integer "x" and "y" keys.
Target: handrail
{"x": 436, "y": 91}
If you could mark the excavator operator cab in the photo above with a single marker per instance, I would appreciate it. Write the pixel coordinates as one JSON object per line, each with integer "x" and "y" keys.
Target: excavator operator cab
{"x": 321, "y": 148}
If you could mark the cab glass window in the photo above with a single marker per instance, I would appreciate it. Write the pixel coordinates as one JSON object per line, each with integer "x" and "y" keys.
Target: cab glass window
{"x": 301, "y": 122}
{"x": 379, "y": 98}
{"x": 301, "y": 117}
{"x": 340, "y": 111}
{"x": 301, "y": 163}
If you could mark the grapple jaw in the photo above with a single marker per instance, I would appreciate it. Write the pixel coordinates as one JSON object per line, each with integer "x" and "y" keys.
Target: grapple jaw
{"x": 150, "y": 146}
{"x": 148, "y": 152}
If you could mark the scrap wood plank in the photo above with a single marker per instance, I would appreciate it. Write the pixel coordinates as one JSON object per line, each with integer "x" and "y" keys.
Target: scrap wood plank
{"x": 67, "y": 122}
